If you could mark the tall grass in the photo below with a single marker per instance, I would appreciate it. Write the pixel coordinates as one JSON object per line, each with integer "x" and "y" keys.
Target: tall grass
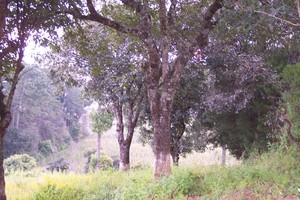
{"x": 270, "y": 176}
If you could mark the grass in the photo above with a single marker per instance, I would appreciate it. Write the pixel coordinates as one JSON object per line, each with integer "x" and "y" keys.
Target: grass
{"x": 140, "y": 155}
{"x": 273, "y": 175}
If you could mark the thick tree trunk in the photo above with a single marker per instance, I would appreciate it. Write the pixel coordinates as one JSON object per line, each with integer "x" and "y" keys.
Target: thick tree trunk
{"x": 124, "y": 157}
{"x": 98, "y": 150}
{"x": 161, "y": 140}
{"x": 2, "y": 179}
{"x": 162, "y": 162}
{"x": 4, "y": 123}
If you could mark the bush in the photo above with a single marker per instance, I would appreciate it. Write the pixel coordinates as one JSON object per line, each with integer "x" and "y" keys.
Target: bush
{"x": 105, "y": 162}
{"x": 45, "y": 148}
{"x": 21, "y": 162}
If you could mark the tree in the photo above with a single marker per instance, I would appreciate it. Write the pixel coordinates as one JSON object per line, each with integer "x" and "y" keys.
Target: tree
{"x": 186, "y": 107}
{"x": 170, "y": 39}
{"x": 114, "y": 77}
{"x": 73, "y": 108}
{"x": 18, "y": 19}
{"x": 101, "y": 121}
{"x": 242, "y": 104}
{"x": 37, "y": 113}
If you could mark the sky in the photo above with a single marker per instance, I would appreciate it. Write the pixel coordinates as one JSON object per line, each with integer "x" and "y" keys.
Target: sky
{"x": 31, "y": 51}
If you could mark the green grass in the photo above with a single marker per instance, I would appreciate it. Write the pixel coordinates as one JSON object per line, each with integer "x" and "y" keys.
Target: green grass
{"x": 270, "y": 176}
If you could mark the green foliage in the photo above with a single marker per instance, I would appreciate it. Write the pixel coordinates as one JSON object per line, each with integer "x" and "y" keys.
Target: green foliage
{"x": 73, "y": 108}
{"x": 57, "y": 193}
{"x": 105, "y": 161}
{"x": 265, "y": 175}
{"x": 74, "y": 130}
{"x": 260, "y": 173}
{"x": 291, "y": 77}
{"x": 21, "y": 162}
{"x": 183, "y": 183}
{"x": 45, "y": 148}
{"x": 101, "y": 121}
{"x": 37, "y": 113}
{"x": 16, "y": 142}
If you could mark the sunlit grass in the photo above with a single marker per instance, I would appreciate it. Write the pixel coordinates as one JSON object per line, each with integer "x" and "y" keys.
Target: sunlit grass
{"x": 270, "y": 176}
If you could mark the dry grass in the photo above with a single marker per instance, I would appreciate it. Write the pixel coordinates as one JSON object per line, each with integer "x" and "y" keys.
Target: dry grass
{"x": 140, "y": 155}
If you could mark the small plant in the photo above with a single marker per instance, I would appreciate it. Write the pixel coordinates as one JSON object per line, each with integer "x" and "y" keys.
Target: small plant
{"x": 21, "y": 162}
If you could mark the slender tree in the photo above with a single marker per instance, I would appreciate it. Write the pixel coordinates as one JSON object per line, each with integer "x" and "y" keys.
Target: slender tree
{"x": 101, "y": 121}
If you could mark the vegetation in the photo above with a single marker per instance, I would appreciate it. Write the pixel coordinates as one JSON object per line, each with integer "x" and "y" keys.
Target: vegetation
{"x": 194, "y": 74}
{"x": 19, "y": 162}
{"x": 262, "y": 177}
{"x": 101, "y": 121}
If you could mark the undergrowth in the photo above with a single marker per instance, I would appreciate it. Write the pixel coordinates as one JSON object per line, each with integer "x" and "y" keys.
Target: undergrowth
{"x": 276, "y": 173}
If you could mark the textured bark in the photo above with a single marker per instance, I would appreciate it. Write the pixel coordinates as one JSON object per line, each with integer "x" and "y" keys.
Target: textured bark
{"x": 124, "y": 156}
{"x": 2, "y": 180}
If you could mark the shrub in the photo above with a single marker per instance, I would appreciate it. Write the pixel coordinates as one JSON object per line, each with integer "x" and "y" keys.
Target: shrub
{"x": 45, "y": 148}
{"x": 105, "y": 162}
{"x": 22, "y": 162}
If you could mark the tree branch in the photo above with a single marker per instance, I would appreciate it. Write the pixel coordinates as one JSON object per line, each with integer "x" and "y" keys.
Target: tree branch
{"x": 292, "y": 138}
{"x": 283, "y": 20}
{"x": 201, "y": 38}
{"x": 96, "y": 17}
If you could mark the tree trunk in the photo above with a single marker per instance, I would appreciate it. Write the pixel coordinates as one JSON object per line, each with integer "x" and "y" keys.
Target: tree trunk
{"x": 2, "y": 179}
{"x": 133, "y": 107}
{"x": 175, "y": 151}
{"x": 124, "y": 156}
{"x": 223, "y": 154}
{"x": 20, "y": 108}
{"x": 4, "y": 123}
{"x": 162, "y": 166}
{"x": 98, "y": 150}
{"x": 161, "y": 140}
{"x": 177, "y": 133}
